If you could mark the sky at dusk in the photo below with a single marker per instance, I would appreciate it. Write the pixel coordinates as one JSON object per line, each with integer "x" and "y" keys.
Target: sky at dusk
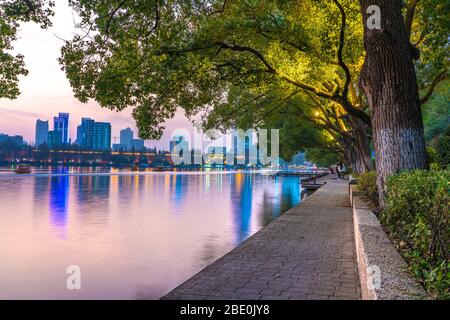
{"x": 46, "y": 91}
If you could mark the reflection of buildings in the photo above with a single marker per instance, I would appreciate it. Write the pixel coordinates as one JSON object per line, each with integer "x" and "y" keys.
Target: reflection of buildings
{"x": 41, "y": 189}
{"x": 59, "y": 200}
{"x": 41, "y": 132}
{"x": 178, "y": 183}
{"x": 283, "y": 195}
{"x": 290, "y": 192}
{"x": 92, "y": 189}
{"x": 241, "y": 204}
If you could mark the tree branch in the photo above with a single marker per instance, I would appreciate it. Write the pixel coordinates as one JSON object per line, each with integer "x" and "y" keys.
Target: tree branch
{"x": 111, "y": 16}
{"x": 234, "y": 47}
{"x": 409, "y": 16}
{"x": 440, "y": 77}
{"x": 343, "y": 99}
{"x": 341, "y": 49}
{"x": 221, "y": 9}
{"x": 270, "y": 69}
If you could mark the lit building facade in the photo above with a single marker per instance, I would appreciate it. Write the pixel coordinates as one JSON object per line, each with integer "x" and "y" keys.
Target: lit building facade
{"x": 101, "y": 136}
{"x": 61, "y": 124}
{"x": 126, "y": 138}
{"x": 41, "y": 136}
{"x": 85, "y": 132}
{"x": 54, "y": 139}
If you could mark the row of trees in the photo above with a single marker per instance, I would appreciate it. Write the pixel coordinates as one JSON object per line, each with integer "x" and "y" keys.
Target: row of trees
{"x": 312, "y": 68}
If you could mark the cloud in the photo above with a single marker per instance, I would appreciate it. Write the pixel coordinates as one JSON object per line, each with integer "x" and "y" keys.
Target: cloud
{"x": 17, "y": 114}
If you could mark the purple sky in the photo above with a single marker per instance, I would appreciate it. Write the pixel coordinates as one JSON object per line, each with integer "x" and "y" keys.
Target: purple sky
{"x": 46, "y": 91}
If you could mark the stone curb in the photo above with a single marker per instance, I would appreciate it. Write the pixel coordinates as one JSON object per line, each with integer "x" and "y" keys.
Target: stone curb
{"x": 383, "y": 272}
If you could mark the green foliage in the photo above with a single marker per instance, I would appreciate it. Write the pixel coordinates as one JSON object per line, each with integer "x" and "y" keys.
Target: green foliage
{"x": 436, "y": 114}
{"x": 234, "y": 63}
{"x": 443, "y": 149}
{"x": 297, "y": 135}
{"x": 12, "y": 13}
{"x": 431, "y": 31}
{"x": 432, "y": 155}
{"x": 321, "y": 157}
{"x": 367, "y": 185}
{"x": 229, "y": 65}
{"x": 417, "y": 218}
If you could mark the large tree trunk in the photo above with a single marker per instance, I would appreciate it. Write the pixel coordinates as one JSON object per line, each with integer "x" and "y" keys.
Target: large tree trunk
{"x": 361, "y": 146}
{"x": 389, "y": 82}
{"x": 357, "y": 150}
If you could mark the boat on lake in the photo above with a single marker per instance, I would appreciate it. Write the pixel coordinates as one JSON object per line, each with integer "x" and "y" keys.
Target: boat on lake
{"x": 23, "y": 168}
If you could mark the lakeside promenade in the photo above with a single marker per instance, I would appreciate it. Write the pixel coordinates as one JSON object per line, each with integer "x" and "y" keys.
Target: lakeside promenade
{"x": 307, "y": 253}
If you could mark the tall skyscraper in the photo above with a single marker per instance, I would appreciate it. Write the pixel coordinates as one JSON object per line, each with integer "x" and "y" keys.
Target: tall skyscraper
{"x": 101, "y": 136}
{"x": 54, "y": 139}
{"x": 85, "y": 133}
{"x": 126, "y": 138}
{"x": 79, "y": 135}
{"x": 41, "y": 132}
{"x": 61, "y": 123}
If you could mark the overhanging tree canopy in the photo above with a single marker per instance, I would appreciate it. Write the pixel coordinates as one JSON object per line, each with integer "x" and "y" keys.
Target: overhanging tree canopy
{"x": 12, "y": 13}
{"x": 157, "y": 56}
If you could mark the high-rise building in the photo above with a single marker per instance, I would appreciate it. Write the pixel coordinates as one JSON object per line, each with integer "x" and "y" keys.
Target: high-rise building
{"x": 79, "y": 135}
{"x": 85, "y": 133}
{"x": 101, "y": 136}
{"x": 119, "y": 147}
{"x": 41, "y": 132}
{"x": 54, "y": 139}
{"x": 61, "y": 123}
{"x": 179, "y": 143}
{"x": 137, "y": 145}
{"x": 126, "y": 138}
{"x": 16, "y": 139}
{"x": 93, "y": 135}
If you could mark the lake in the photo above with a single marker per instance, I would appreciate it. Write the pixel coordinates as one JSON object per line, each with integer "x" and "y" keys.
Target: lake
{"x": 134, "y": 236}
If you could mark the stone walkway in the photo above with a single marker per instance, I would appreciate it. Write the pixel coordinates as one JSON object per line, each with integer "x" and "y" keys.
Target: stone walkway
{"x": 307, "y": 253}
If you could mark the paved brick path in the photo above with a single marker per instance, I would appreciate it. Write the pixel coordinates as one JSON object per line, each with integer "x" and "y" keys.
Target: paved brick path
{"x": 307, "y": 253}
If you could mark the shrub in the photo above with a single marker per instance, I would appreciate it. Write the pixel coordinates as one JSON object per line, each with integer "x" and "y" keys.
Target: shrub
{"x": 443, "y": 150}
{"x": 367, "y": 185}
{"x": 432, "y": 154}
{"x": 417, "y": 219}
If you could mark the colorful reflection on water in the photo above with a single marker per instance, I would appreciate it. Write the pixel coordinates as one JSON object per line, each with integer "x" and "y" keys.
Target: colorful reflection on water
{"x": 133, "y": 236}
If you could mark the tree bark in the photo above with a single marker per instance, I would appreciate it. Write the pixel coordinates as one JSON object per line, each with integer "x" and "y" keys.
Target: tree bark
{"x": 388, "y": 80}
{"x": 361, "y": 146}
{"x": 357, "y": 149}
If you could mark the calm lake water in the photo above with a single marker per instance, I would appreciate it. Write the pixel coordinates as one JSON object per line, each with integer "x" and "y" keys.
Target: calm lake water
{"x": 133, "y": 236}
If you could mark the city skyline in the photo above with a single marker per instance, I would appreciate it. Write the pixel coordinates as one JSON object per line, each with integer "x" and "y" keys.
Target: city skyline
{"x": 94, "y": 135}
{"x": 42, "y": 99}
